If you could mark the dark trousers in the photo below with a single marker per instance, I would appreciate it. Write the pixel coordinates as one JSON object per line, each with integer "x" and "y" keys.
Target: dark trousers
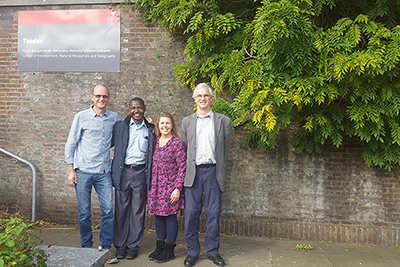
{"x": 130, "y": 209}
{"x": 205, "y": 191}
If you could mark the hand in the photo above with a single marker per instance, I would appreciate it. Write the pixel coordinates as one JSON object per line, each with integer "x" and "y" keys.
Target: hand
{"x": 149, "y": 120}
{"x": 175, "y": 195}
{"x": 72, "y": 178}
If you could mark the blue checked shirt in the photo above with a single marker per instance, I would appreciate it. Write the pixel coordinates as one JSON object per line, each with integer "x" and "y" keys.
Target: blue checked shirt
{"x": 89, "y": 141}
{"x": 138, "y": 143}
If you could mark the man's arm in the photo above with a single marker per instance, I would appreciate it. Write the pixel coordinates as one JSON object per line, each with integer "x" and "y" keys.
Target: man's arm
{"x": 228, "y": 135}
{"x": 184, "y": 132}
{"x": 72, "y": 142}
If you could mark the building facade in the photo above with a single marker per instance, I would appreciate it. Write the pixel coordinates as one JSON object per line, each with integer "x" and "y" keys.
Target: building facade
{"x": 332, "y": 196}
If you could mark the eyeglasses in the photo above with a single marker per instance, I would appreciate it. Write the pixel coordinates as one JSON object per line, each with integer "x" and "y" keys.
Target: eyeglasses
{"x": 101, "y": 96}
{"x": 203, "y": 96}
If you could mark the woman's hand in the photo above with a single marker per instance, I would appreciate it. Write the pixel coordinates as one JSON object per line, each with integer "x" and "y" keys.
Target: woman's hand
{"x": 175, "y": 195}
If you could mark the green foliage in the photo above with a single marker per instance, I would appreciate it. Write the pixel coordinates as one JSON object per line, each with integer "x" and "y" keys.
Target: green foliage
{"x": 18, "y": 242}
{"x": 220, "y": 105}
{"x": 329, "y": 66}
{"x": 304, "y": 247}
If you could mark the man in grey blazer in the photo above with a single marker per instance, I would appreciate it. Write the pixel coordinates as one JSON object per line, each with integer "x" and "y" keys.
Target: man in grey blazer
{"x": 207, "y": 136}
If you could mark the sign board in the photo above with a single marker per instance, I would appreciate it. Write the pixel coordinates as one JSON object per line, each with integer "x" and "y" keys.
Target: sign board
{"x": 69, "y": 40}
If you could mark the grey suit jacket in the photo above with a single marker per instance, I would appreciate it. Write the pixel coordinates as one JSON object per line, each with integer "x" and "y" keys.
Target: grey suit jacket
{"x": 223, "y": 137}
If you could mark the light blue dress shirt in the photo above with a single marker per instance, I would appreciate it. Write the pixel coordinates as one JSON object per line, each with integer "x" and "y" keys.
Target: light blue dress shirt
{"x": 89, "y": 141}
{"x": 138, "y": 143}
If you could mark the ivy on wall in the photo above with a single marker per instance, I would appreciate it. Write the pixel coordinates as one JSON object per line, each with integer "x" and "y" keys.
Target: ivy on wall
{"x": 329, "y": 66}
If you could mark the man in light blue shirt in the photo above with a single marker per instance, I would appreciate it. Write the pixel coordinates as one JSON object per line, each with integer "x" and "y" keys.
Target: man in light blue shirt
{"x": 87, "y": 153}
{"x": 131, "y": 172}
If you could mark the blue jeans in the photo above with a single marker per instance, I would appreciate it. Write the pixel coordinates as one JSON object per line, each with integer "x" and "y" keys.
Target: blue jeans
{"x": 103, "y": 186}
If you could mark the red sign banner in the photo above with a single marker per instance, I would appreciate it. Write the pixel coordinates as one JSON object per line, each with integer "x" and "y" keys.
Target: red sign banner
{"x": 69, "y": 40}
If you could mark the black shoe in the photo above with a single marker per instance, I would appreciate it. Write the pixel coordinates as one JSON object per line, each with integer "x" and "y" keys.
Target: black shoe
{"x": 167, "y": 254}
{"x": 190, "y": 261}
{"x": 160, "y": 244}
{"x": 218, "y": 260}
{"x": 131, "y": 254}
{"x": 120, "y": 253}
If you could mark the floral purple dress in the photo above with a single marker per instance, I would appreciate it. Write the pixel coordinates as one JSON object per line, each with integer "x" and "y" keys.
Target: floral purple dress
{"x": 168, "y": 173}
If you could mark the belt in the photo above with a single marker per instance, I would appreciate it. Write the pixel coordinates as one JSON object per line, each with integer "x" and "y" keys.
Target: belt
{"x": 205, "y": 165}
{"x": 135, "y": 167}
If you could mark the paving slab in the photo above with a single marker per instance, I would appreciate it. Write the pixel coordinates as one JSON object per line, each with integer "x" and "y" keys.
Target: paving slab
{"x": 344, "y": 255}
{"x": 66, "y": 237}
{"x": 284, "y": 254}
{"x": 390, "y": 254}
{"x": 247, "y": 252}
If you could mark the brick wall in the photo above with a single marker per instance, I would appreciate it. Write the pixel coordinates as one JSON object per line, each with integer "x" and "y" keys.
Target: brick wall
{"x": 37, "y": 108}
{"x": 329, "y": 196}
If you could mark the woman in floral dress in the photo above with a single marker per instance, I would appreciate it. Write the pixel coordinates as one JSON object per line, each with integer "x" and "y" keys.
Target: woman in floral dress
{"x": 165, "y": 197}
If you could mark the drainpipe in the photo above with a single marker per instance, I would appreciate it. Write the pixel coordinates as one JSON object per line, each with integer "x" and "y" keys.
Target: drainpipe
{"x": 14, "y": 159}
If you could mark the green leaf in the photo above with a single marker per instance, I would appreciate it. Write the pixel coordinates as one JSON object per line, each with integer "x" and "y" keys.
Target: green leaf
{"x": 327, "y": 69}
{"x": 10, "y": 243}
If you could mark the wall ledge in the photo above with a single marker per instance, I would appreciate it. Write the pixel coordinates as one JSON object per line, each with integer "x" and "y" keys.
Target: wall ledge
{"x": 318, "y": 232}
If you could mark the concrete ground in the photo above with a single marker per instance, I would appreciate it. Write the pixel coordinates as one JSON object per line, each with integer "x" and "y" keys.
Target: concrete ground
{"x": 247, "y": 252}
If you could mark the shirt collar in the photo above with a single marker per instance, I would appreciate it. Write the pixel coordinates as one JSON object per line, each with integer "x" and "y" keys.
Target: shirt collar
{"x": 210, "y": 114}
{"x": 133, "y": 122}
{"x": 94, "y": 114}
